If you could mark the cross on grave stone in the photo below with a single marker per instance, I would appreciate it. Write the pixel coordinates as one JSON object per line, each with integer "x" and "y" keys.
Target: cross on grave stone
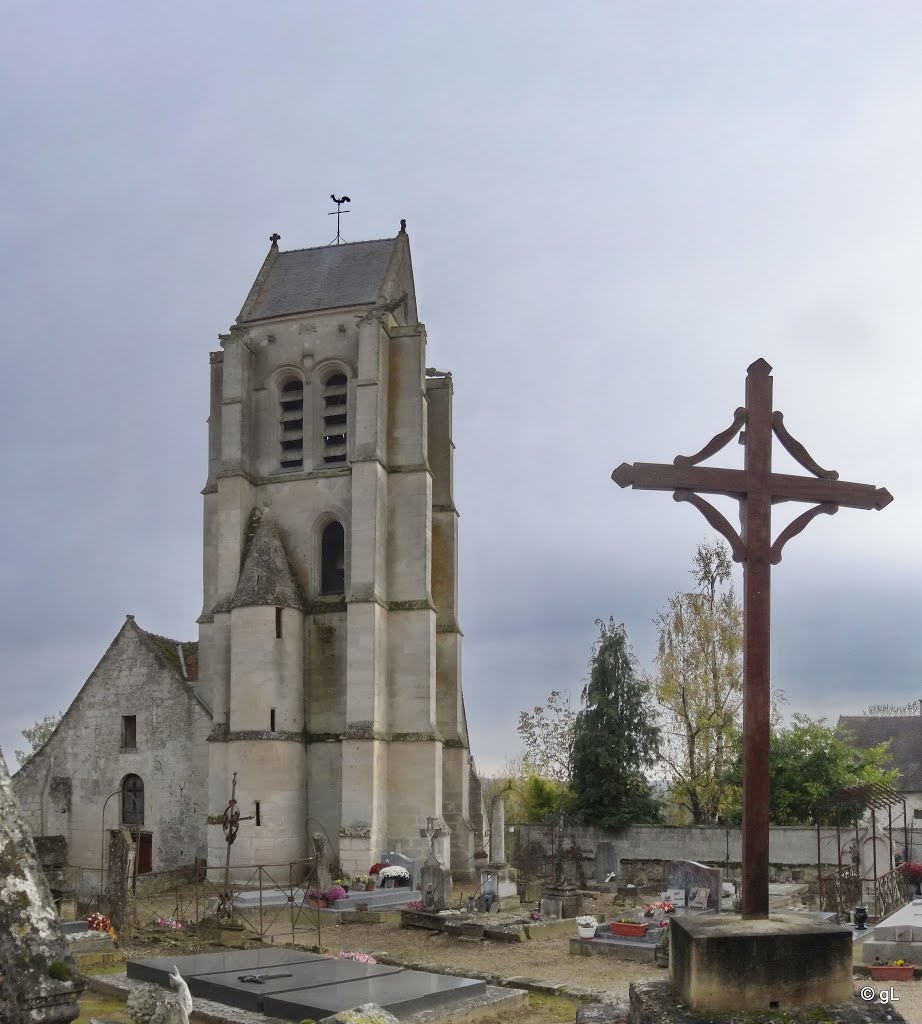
{"x": 756, "y": 489}
{"x": 432, "y": 832}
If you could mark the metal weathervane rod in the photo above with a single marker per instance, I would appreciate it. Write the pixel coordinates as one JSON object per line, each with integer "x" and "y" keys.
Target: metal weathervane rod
{"x": 337, "y": 213}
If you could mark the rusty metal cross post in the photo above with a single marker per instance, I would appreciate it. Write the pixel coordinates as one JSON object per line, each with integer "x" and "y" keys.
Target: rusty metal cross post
{"x": 757, "y": 489}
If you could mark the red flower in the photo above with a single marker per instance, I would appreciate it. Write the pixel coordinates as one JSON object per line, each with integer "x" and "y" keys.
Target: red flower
{"x": 375, "y": 868}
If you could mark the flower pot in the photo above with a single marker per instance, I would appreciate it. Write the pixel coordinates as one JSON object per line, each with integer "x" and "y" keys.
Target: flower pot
{"x": 633, "y": 931}
{"x": 317, "y": 904}
{"x": 586, "y": 931}
{"x": 890, "y": 972}
{"x": 370, "y": 887}
{"x": 388, "y": 883}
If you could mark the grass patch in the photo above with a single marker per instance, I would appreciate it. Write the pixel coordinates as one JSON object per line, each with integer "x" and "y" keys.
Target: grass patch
{"x": 544, "y": 1009}
{"x": 104, "y": 1007}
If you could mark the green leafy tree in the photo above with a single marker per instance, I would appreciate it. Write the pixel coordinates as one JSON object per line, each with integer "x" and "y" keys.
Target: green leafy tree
{"x": 809, "y": 761}
{"x": 615, "y": 737}
{"x": 37, "y": 735}
{"x": 698, "y": 683}
{"x": 543, "y": 800}
{"x": 547, "y": 739}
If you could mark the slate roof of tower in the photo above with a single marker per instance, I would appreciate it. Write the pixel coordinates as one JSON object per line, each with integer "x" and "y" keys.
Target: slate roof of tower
{"x": 905, "y": 734}
{"x": 306, "y": 280}
{"x": 266, "y": 577}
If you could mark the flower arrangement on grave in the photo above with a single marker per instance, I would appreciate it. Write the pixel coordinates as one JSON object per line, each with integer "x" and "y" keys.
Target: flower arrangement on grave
{"x": 416, "y": 905}
{"x": 892, "y": 970}
{"x": 376, "y": 869}
{"x": 663, "y": 907}
{"x": 394, "y": 872}
{"x": 912, "y": 871}
{"x": 587, "y": 925}
{"x": 344, "y": 882}
{"x": 98, "y": 923}
{"x": 363, "y": 882}
{"x": 167, "y": 922}
{"x": 359, "y": 958}
{"x": 335, "y": 892}
{"x": 626, "y": 919}
{"x": 535, "y": 916}
{"x": 316, "y": 898}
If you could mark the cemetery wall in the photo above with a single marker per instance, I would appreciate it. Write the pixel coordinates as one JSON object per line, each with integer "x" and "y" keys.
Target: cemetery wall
{"x": 642, "y": 851}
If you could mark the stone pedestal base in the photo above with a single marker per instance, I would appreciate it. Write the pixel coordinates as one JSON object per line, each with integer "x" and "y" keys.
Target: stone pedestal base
{"x": 502, "y": 881}
{"x": 559, "y": 901}
{"x": 435, "y": 883}
{"x": 788, "y": 960}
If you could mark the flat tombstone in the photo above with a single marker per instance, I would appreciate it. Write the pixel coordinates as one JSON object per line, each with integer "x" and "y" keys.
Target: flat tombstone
{"x": 206, "y": 964}
{"x": 401, "y": 994}
{"x": 689, "y": 874}
{"x": 606, "y": 861}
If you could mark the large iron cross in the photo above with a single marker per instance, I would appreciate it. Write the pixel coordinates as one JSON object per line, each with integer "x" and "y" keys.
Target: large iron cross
{"x": 757, "y": 489}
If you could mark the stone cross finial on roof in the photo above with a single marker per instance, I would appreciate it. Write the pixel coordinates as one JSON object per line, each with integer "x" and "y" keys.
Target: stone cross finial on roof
{"x": 275, "y": 238}
{"x": 403, "y": 226}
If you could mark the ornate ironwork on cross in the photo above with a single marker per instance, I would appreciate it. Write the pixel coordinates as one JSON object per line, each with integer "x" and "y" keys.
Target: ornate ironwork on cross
{"x": 756, "y": 489}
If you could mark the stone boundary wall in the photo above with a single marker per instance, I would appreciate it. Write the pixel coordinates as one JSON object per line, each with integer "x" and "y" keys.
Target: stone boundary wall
{"x": 643, "y": 849}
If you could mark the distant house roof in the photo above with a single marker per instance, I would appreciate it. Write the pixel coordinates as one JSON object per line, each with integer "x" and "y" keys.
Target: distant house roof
{"x": 307, "y": 280}
{"x": 905, "y": 735}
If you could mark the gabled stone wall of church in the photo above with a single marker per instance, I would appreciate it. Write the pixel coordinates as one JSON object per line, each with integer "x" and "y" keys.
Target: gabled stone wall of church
{"x": 65, "y": 785}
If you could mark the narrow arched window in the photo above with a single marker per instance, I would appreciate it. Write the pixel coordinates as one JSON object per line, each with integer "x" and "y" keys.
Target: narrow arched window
{"x": 333, "y": 560}
{"x": 132, "y": 800}
{"x": 335, "y": 419}
{"x": 291, "y": 417}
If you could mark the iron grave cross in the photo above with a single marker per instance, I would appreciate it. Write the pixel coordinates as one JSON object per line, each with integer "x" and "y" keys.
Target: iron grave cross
{"x": 757, "y": 489}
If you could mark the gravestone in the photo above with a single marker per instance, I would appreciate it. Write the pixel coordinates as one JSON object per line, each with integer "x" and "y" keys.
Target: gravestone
{"x": 689, "y": 874}
{"x": 399, "y": 860}
{"x": 435, "y": 878}
{"x": 37, "y": 971}
{"x": 674, "y": 896}
{"x": 606, "y": 861}
{"x": 497, "y": 879}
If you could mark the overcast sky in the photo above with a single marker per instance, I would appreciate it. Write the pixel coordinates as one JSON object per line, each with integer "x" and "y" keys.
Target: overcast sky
{"x": 613, "y": 209}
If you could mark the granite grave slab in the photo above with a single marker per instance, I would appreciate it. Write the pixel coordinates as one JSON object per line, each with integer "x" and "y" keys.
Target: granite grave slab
{"x": 248, "y": 989}
{"x": 401, "y": 994}
{"x": 203, "y": 964}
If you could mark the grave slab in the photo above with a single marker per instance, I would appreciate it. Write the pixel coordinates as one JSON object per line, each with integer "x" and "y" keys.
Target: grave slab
{"x": 250, "y": 988}
{"x": 158, "y": 970}
{"x": 400, "y": 994}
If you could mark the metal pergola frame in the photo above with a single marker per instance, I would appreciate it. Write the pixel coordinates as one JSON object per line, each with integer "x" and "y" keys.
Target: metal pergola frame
{"x": 873, "y": 796}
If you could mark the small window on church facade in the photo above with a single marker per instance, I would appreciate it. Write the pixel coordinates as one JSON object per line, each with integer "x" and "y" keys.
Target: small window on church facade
{"x": 291, "y": 435}
{"x": 334, "y": 419}
{"x": 278, "y": 623}
{"x": 333, "y": 560}
{"x": 129, "y": 732}
{"x": 132, "y": 800}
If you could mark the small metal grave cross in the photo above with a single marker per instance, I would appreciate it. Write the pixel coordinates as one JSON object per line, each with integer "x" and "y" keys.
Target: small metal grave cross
{"x": 757, "y": 489}
{"x": 231, "y": 825}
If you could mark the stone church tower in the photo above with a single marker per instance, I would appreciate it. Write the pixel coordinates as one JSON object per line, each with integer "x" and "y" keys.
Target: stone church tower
{"x": 329, "y": 647}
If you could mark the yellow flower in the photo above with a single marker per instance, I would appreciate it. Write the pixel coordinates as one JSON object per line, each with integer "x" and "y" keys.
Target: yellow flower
{"x": 899, "y": 963}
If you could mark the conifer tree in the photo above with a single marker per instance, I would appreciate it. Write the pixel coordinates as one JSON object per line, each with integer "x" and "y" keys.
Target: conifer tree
{"x": 615, "y": 738}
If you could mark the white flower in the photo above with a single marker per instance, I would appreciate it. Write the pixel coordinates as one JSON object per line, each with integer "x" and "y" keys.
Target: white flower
{"x": 394, "y": 871}
{"x": 586, "y": 921}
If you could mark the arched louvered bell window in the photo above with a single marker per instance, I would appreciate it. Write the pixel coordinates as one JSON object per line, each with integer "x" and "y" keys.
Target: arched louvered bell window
{"x": 291, "y": 421}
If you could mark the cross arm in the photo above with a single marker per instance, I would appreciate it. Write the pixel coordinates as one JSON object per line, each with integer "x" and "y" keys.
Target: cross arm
{"x": 737, "y": 483}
